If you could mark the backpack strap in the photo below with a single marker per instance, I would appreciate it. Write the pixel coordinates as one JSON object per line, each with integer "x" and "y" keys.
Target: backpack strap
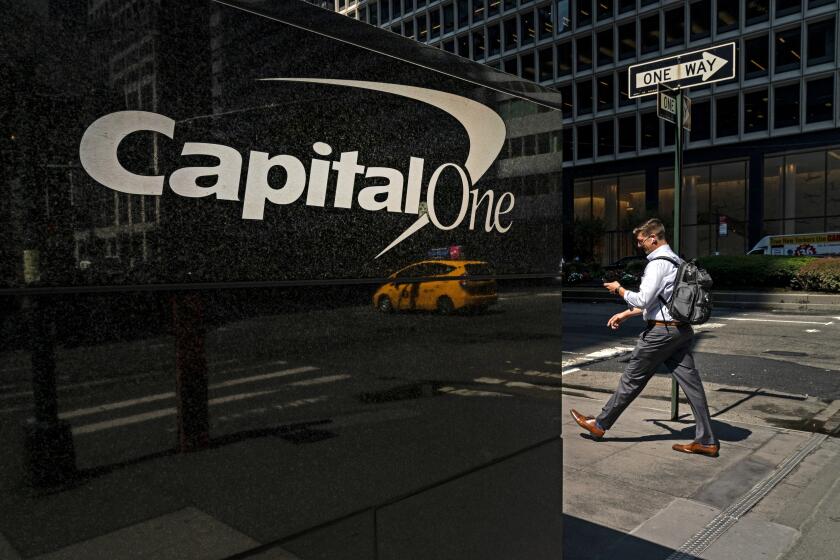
{"x": 673, "y": 262}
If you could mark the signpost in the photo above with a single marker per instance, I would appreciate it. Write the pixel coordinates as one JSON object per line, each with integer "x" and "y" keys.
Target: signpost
{"x": 667, "y": 77}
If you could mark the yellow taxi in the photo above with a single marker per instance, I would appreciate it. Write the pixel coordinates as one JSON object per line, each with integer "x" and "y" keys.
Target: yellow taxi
{"x": 438, "y": 285}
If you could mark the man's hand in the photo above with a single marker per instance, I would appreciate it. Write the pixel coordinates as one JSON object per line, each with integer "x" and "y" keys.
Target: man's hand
{"x": 612, "y": 287}
{"x": 616, "y": 320}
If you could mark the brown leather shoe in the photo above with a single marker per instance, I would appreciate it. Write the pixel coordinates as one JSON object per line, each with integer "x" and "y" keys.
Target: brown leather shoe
{"x": 697, "y": 448}
{"x": 587, "y": 423}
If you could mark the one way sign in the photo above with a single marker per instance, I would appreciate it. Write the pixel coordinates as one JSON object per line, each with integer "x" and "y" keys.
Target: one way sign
{"x": 684, "y": 70}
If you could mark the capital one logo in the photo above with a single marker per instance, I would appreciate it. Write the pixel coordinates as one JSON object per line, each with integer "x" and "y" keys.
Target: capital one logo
{"x": 401, "y": 193}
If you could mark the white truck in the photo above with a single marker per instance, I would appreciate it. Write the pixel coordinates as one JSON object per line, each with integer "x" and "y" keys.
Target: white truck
{"x": 799, "y": 244}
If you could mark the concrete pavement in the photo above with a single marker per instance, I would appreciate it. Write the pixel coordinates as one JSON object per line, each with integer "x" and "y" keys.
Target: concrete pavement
{"x": 772, "y": 494}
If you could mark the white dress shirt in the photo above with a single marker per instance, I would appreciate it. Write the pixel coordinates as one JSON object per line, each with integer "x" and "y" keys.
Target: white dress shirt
{"x": 657, "y": 280}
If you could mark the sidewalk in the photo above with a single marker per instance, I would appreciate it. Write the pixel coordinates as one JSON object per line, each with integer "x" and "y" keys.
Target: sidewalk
{"x": 630, "y": 496}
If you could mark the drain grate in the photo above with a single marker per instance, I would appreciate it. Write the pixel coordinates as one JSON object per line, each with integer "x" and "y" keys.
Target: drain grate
{"x": 728, "y": 517}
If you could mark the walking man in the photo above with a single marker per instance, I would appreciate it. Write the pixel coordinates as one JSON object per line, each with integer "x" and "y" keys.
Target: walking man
{"x": 664, "y": 340}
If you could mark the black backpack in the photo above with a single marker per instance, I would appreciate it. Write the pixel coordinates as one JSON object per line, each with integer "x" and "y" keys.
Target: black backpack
{"x": 691, "y": 300}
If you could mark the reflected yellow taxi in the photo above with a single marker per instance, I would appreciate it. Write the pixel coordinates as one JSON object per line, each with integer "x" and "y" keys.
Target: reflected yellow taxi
{"x": 444, "y": 286}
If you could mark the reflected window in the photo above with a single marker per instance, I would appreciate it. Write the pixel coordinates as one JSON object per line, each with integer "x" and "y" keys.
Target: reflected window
{"x": 627, "y": 40}
{"x": 564, "y": 59}
{"x": 605, "y": 92}
{"x": 727, "y": 16}
{"x": 788, "y": 50}
{"x": 584, "y": 97}
{"x": 584, "y": 12}
{"x": 604, "y": 9}
{"x": 674, "y": 27}
{"x": 606, "y": 138}
{"x": 547, "y": 64}
{"x": 564, "y": 16}
{"x": 727, "y": 116}
{"x": 606, "y": 52}
{"x": 700, "y": 121}
{"x": 544, "y": 21}
{"x": 584, "y": 141}
{"x": 755, "y": 111}
{"x": 756, "y": 11}
{"x": 650, "y": 33}
{"x": 527, "y": 30}
{"x": 584, "y": 53}
{"x": 787, "y": 7}
{"x": 650, "y": 130}
{"x": 627, "y": 134}
{"x": 819, "y": 104}
{"x": 756, "y": 56}
{"x": 786, "y": 106}
{"x": 821, "y": 42}
{"x": 510, "y": 35}
{"x": 700, "y": 13}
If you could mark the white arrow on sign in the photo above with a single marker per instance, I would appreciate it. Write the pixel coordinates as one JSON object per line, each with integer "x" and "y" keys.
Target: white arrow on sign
{"x": 705, "y": 67}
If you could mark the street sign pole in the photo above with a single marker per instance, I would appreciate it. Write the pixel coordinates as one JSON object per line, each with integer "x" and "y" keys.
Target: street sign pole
{"x": 678, "y": 155}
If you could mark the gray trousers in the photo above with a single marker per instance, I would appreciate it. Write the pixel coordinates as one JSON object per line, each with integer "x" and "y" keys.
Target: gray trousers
{"x": 670, "y": 345}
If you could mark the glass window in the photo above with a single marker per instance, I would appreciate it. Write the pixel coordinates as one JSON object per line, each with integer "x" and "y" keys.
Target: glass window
{"x": 384, "y": 11}
{"x": 584, "y": 53}
{"x": 479, "y": 9}
{"x": 568, "y": 146}
{"x": 543, "y": 143}
{"x": 786, "y": 106}
{"x": 787, "y": 7}
{"x": 464, "y": 45}
{"x": 604, "y": 199}
{"x": 756, "y": 11}
{"x": 605, "y": 92}
{"x": 650, "y": 130}
{"x": 374, "y": 14}
{"x": 564, "y": 59}
{"x": 729, "y": 198}
{"x": 547, "y": 64}
{"x": 584, "y": 141}
{"x": 700, "y": 19}
{"x": 606, "y": 138}
{"x": 605, "y": 9}
{"x": 624, "y": 99}
{"x": 584, "y": 12}
{"x": 583, "y": 199}
{"x": 727, "y": 17}
{"x": 631, "y": 202}
{"x": 449, "y": 46}
{"x": 511, "y": 66}
{"x": 804, "y": 192}
{"x": 821, "y": 42}
{"x": 584, "y": 97}
{"x": 408, "y": 28}
{"x": 819, "y": 104}
{"x": 756, "y": 56}
{"x": 668, "y": 133}
{"x": 755, "y": 111}
{"x": 700, "y": 121}
{"x": 478, "y": 44}
{"x": 564, "y": 16}
{"x": 528, "y": 68}
{"x": 627, "y": 134}
{"x": 627, "y": 40}
{"x": 494, "y": 39}
{"x": 544, "y": 23}
{"x": 434, "y": 23}
{"x": 674, "y": 27}
{"x": 510, "y": 4}
{"x": 650, "y": 33}
{"x": 526, "y": 27}
{"x": 568, "y": 103}
{"x": 818, "y": 3}
{"x": 396, "y": 8}
{"x": 509, "y": 27}
{"x": 833, "y": 191}
{"x": 606, "y": 51}
{"x": 727, "y": 116}
{"x": 787, "y": 50}
{"x": 422, "y": 28}
{"x": 626, "y": 6}
{"x": 463, "y": 13}
{"x": 773, "y": 202}
{"x": 493, "y": 7}
{"x": 695, "y": 200}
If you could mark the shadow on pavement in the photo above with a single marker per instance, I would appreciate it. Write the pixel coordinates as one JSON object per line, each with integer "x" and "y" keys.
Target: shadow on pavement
{"x": 583, "y": 540}
{"x": 723, "y": 431}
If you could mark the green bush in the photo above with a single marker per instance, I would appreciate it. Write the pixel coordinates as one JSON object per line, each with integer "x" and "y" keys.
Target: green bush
{"x": 753, "y": 271}
{"x": 821, "y": 275}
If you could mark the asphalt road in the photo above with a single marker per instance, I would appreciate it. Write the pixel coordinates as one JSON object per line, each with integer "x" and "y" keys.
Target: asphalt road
{"x": 790, "y": 353}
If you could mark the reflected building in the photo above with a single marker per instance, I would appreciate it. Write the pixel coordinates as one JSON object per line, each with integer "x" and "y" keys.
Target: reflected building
{"x": 762, "y": 154}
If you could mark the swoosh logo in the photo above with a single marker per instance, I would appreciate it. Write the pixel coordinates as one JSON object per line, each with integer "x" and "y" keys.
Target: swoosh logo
{"x": 485, "y": 129}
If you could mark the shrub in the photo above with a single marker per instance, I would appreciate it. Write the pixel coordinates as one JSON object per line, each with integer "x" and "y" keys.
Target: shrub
{"x": 753, "y": 271}
{"x": 819, "y": 275}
